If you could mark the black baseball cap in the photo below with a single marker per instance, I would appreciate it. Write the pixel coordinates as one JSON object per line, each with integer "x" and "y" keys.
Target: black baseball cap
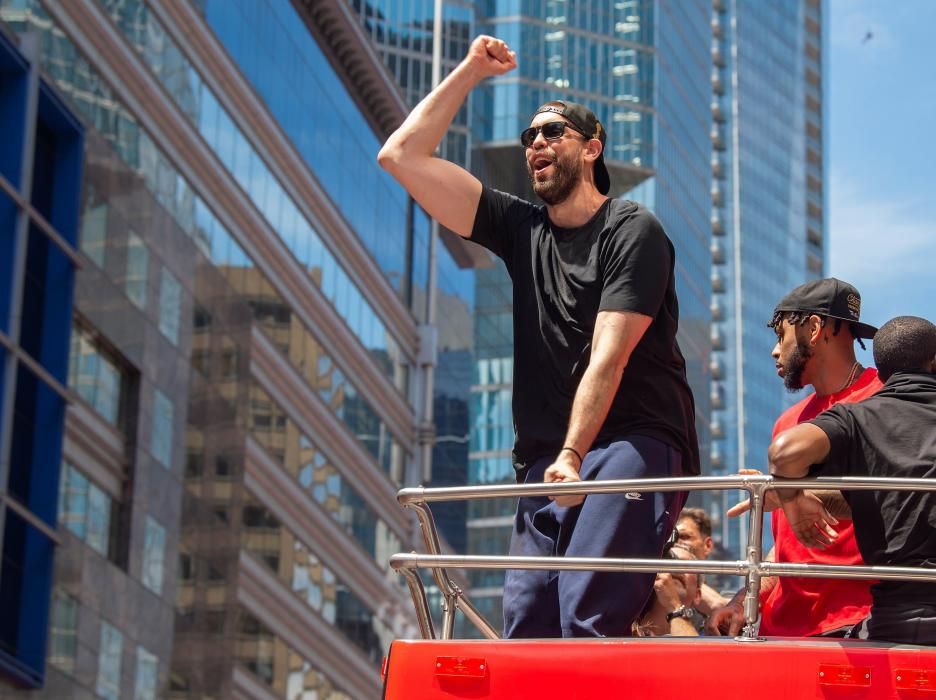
{"x": 828, "y": 297}
{"x": 585, "y": 121}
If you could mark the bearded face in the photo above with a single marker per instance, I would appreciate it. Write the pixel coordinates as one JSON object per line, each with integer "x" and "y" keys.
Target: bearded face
{"x": 554, "y": 176}
{"x": 794, "y": 364}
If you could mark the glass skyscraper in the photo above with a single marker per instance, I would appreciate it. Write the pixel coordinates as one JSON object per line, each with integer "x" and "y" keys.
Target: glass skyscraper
{"x": 768, "y": 214}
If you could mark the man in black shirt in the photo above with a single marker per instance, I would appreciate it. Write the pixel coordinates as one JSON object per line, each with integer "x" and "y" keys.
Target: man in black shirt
{"x": 890, "y": 434}
{"x": 600, "y": 386}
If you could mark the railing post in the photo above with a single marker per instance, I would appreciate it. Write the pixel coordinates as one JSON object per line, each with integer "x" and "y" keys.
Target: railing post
{"x": 449, "y": 606}
{"x": 431, "y": 539}
{"x": 418, "y": 594}
{"x": 755, "y": 551}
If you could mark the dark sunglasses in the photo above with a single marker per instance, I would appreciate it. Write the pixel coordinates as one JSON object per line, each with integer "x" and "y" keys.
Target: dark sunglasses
{"x": 551, "y": 132}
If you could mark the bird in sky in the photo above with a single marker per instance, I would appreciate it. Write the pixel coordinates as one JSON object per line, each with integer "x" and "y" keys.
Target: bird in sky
{"x": 869, "y": 35}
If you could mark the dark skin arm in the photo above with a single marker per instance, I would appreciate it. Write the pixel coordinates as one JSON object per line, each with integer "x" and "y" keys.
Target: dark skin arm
{"x": 795, "y": 450}
{"x": 790, "y": 455}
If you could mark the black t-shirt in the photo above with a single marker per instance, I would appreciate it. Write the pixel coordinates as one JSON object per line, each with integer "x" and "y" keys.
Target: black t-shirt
{"x": 621, "y": 260}
{"x": 890, "y": 434}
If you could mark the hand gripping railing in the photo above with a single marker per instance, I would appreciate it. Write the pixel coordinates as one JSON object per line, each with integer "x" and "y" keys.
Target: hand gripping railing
{"x": 753, "y": 567}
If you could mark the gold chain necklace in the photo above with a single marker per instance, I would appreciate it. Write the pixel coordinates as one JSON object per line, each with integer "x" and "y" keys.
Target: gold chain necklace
{"x": 852, "y": 376}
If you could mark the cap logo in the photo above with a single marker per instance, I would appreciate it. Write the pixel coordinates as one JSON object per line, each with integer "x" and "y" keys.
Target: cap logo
{"x": 551, "y": 108}
{"x": 854, "y": 305}
{"x": 597, "y": 130}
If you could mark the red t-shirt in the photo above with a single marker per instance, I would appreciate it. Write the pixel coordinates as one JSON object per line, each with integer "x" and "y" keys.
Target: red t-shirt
{"x": 800, "y": 607}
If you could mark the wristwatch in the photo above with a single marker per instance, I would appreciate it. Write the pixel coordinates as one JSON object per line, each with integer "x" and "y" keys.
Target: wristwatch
{"x": 683, "y": 611}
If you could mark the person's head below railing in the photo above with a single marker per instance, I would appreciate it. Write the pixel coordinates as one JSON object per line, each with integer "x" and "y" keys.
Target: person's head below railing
{"x": 890, "y": 434}
{"x": 694, "y": 530}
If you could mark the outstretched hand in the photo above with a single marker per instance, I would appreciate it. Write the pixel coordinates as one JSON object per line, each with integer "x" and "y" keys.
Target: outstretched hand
{"x": 771, "y": 501}
{"x": 812, "y": 524}
{"x": 491, "y": 55}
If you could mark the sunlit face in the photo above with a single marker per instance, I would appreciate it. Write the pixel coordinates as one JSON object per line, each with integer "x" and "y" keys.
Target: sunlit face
{"x": 791, "y": 355}
{"x": 555, "y": 166}
{"x": 688, "y": 533}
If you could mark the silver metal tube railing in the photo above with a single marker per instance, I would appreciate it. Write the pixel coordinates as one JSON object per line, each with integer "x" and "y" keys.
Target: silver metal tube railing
{"x": 753, "y": 567}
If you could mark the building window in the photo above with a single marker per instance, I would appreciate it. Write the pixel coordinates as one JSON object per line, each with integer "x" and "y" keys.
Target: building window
{"x": 147, "y": 671}
{"x": 86, "y": 510}
{"x": 63, "y": 632}
{"x": 186, "y": 568}
{"x": 96, "y": 375}
{"x": 170, "y": 299}
{"x": 161, "y": 442}
{"x": 94, "y": 233}
{"x": 154, "y": 552}
{"x": 109, "y": 653}
{"x": 137, "y": 269}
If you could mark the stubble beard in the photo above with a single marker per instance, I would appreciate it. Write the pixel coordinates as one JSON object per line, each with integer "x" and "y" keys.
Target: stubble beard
{"x": 794, "y": 367}
{"x": 557, "y": 188}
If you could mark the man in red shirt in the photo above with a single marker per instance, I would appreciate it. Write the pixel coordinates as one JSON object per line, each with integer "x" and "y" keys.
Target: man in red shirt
{"x": 816, "y": 325}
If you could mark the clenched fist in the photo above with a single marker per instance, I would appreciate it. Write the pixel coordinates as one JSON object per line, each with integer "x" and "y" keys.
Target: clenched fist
{"x": 491, "y": 55}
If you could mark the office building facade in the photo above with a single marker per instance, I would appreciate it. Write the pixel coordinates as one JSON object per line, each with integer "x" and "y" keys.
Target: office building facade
{"x": 246, "y": 364}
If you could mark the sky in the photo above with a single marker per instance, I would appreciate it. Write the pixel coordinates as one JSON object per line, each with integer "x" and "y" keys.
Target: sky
{"x": 881, "y": 95}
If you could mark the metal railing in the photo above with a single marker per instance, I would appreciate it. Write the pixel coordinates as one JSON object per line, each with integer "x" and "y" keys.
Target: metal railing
{"x": 753, "y": 567}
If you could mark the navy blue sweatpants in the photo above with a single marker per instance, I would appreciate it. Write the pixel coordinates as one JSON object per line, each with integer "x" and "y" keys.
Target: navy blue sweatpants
{"x": 586, "y": 603}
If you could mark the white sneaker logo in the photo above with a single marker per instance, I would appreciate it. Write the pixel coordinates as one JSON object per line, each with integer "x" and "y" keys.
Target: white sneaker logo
{"x": 633, "y": 496}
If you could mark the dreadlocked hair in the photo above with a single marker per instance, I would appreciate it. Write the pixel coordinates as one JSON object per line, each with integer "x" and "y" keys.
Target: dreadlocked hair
{"x": 799, "y": 318}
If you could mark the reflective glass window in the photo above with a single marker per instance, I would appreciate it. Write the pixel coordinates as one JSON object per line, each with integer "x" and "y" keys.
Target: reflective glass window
{"x": 63, "y": 632}
{"x": 95, "y": 375}
{"x": 170, "y": 300}
{"x": 137, "y": 268}
{"x": 274, "y": 662}
{"x": 85, "y": 510}
{"x": 296, "y": 565}
{"x": 154, "y": 553}
{"x": 109, "y": 658}
{"x": 316, "y": 474}
{"x": 161, "y": 439}
{"x": 147, "y": 674}
{"x": 94, "y": 233}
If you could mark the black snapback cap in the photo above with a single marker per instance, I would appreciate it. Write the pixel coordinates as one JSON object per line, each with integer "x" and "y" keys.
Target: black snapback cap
{"x": 828, "y": 297}
{"x": 587, "y": 123}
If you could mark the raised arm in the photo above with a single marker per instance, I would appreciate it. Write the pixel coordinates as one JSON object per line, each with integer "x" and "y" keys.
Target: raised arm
{"x": 449, "y": 193}
{"x": 615, "y": 336}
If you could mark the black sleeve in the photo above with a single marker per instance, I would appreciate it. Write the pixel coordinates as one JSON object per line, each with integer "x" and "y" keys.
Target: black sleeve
{"x": 838, "y": 424}
{"x": 499, "y": 218}
{"x": 636, "y": 266}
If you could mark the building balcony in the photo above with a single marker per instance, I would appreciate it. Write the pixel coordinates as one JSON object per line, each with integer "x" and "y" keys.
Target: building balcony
{"x": 717, "y": 228}
{"x": 718, "y": 251}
